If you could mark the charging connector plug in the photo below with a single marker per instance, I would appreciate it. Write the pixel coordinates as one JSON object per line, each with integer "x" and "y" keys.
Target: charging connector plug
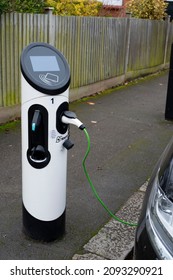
{"x": 69, "y": 117}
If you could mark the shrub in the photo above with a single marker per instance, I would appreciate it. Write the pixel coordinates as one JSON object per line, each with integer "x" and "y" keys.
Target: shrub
{"x": 22, "y": 6}
{"x": 75, "y": 7}
{"x": 29, "y": 6}
{"x": 4, "y": 6}
{"x": 147, "y": 9}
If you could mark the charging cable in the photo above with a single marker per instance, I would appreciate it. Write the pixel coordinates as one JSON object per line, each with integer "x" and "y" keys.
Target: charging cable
{"x": 70, "y": 118}
{"x": 93, "y": 188}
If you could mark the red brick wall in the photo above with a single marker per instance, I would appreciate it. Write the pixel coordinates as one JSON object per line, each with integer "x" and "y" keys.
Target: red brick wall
{"x": 114, "y": 11}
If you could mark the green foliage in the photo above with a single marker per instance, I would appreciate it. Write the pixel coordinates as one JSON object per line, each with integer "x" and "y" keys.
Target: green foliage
{"x": 75, "y": 7}
{"x": 147, "y": 9}
{"x": 4, "y": 6}
{"x": 22, "y": 6}
{"x": 29, "y": 6}
{"x": 16, "y": 124}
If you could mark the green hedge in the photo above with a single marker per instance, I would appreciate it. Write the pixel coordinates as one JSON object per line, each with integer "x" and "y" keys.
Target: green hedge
{"x": 22, "y": 6}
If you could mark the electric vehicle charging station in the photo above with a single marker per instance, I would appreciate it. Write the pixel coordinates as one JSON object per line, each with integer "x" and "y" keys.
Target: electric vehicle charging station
{"x": 45, "y": 141}
{"x": 45, "y": 96}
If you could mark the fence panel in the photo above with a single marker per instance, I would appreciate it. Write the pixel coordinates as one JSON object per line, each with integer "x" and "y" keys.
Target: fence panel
{"x": 97, "y": 48}
{"x": 94, "y": 47}
{"x": 17, "y": 31}
{"x": 147, "y": 44}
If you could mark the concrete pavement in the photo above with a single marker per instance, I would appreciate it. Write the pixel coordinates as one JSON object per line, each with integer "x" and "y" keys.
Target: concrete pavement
{"x": 128, "y": 133}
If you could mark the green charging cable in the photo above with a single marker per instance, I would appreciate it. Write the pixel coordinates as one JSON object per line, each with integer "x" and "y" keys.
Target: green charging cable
{"x": 93, "y": 188}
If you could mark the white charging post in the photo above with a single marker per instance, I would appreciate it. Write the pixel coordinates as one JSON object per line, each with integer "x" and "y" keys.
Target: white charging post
{"x": 45, "y": 96}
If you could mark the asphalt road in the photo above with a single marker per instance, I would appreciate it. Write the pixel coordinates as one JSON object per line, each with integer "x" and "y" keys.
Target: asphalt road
{"x": 128, "y": 133}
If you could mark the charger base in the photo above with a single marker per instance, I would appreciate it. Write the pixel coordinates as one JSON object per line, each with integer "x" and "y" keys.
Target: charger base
{"x": 42, "y": 230}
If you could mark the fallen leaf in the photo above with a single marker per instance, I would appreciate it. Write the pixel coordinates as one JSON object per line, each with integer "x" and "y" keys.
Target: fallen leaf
{"x": 91, "y": 103}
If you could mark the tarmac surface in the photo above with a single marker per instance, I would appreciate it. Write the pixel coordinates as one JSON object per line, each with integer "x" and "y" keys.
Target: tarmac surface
{"x": 128, "y": 134}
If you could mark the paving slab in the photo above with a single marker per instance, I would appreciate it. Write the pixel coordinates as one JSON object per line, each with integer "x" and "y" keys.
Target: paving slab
{"x": 116, "y": 240}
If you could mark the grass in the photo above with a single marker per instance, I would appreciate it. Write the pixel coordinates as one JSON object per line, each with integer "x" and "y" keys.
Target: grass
{"x": 12, "y": 125}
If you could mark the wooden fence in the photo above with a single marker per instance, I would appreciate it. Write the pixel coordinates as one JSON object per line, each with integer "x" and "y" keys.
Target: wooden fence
{"x": 101, "y": 51}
